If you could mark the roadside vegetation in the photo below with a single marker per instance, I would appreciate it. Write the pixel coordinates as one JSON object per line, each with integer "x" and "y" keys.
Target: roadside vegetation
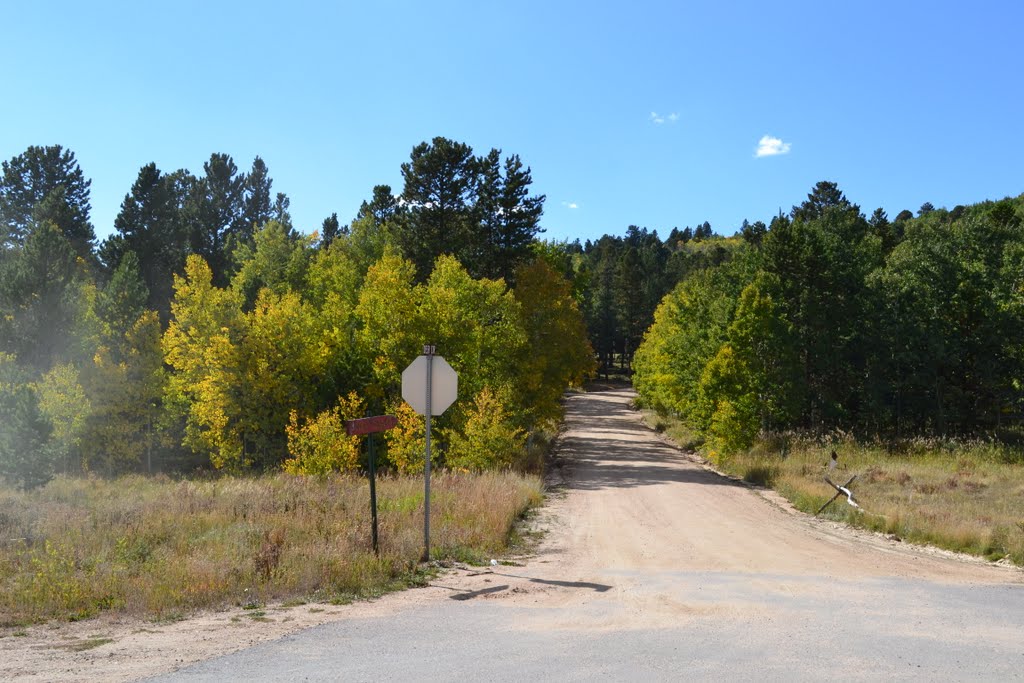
{"x": 163, "y": 548}
{"x": 896, "y": 343}
{"x": 964, "y": 496}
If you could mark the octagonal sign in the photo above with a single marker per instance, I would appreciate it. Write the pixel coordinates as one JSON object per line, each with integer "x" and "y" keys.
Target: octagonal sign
{"x": 444, "y": 385}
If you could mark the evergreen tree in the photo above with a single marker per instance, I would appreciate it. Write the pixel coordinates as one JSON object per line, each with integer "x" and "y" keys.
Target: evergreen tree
{"x": 28, "y": 457}
{"x": 214, "y": 211}
{"x": 40, "y": 298}
{"x": 45, "y": 184}
{"x": 518, "y": 219}
{"x": 256, "y": 202}
{"x": 824, "y": 195}
{"x": 329, "y": 231}
{"x": 382, "y": 207}
{"x": 440, "y": 191}
{"x": 151, "y": 225}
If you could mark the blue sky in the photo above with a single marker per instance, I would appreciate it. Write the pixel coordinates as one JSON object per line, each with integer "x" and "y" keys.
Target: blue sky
{"x": 646, "y": 113}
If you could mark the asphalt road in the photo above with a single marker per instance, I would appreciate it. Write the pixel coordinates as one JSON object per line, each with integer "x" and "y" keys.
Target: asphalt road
{"x": 655, "y": 568}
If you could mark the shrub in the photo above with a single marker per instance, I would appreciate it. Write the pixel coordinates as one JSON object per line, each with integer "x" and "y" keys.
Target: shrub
{"x": 321, "y": 445}
{"x": 407, "y": 442}
{"x": 488, "y": 440}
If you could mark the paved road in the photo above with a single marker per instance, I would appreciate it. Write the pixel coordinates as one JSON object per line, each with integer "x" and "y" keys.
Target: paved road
{"x": 655, "y": 568}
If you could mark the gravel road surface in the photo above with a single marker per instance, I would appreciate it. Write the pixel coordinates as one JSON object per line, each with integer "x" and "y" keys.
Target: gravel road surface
{"x": 654, "y": 567}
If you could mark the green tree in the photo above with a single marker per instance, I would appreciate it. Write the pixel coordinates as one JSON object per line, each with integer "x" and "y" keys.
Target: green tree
{"x": 41, "y": 301}
{"x": 382, "y": 208}
{"x": 824, "y": 195}
{"x": 123, "y": 300}
{"x": 277, "y": 260}
{"x": 440, "y": 191}
{"x": 390, "y": 331}
{"x": 214, "y": 211}
{"x": 152, "y": 225}
{"x": 509, "y": 217}
{"x": 820, "y": 261}
{"x": 489, "y": 438}
{"x": 256, "y": 201}
{"x": 476, "y": 324}
{"x": 63, "y": 402}
{"x": 40, "y": 185}
{"x": 689, "y": 328}
{"x": 28, "y": 456}
{"x": 330, "y": 230}
{"x": 753, "y": 381}
{"x": 125, "y": 385}
{"x": 559, "y": 354}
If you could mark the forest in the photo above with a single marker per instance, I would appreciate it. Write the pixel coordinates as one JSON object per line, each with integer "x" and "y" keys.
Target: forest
{"x": 829, "y": 320}
{"x": 208, "y": 332}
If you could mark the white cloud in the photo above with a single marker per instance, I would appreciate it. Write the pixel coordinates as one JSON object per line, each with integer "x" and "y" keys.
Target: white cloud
{"x": 571, "y": 205}
{"x": 659, "y": 119}
{"x": 769, "y": 147}
{"x": 673, "y": 117}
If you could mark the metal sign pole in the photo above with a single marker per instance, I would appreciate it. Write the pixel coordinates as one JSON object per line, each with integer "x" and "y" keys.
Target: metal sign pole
{"x": 428, "y": 351}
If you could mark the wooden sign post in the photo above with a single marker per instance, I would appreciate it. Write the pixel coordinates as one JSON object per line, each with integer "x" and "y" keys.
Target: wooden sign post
{"x": 370, "y": 426}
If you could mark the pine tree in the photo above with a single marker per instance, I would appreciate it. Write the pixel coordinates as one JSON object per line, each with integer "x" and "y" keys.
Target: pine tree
{"x": 45, "y": 184}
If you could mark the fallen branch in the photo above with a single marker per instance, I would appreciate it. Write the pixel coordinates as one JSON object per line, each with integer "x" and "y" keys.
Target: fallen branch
{"x": 840, "y": 490}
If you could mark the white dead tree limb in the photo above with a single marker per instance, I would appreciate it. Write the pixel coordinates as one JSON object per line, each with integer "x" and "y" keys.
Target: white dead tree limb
{"x": 840, "y": 491}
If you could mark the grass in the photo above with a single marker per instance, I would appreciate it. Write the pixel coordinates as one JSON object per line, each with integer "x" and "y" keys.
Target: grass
{"x": 163, "y": 548}
{"x": 88, "y": 644}
{"x": 965, "y": 496}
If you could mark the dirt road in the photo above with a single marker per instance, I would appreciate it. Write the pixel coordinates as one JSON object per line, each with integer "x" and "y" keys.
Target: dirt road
{"x": 652, "y": 567}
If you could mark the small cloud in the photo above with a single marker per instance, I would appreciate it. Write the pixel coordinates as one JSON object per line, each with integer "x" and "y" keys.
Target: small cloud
{"x": 770, "y": 147}
{"x": 673, "y": 117}
{"x": 570, "y": 205}
{"x": 659, "y": 119}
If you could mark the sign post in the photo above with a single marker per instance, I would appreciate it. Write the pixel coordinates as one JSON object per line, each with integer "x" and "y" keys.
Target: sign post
{"x": 428, "y": 351}
{"x": 429, "y": 386}
{"x": 370, "y": 426}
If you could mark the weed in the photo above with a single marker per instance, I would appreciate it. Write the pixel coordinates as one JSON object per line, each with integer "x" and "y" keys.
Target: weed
{"x": 760, "y": 474}
{"x": 88, "y": 644}
{"x": 165, "y": 548}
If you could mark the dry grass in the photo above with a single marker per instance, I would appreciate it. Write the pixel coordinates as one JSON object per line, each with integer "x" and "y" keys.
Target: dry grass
{"x": 966, "y": 497}
{"x": 163, "y": 548}
{"x": 962, "y": 496}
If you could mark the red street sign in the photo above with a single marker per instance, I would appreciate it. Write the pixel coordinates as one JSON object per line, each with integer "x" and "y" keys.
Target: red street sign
{"x": 369, "y": 425}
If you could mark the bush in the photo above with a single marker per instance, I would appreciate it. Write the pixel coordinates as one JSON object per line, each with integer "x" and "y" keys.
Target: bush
{"x": 321, "y": 446}
{"x": 488, "y": 440}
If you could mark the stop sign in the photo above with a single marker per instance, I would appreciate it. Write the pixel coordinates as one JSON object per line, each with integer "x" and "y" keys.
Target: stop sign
{"x": 444, "y": 385}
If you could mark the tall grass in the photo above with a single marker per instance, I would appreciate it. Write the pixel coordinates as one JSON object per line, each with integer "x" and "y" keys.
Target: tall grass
{"x": 962, "y": 496}
{"x": 160, "y": 547}
{"x": 966, "y": 496}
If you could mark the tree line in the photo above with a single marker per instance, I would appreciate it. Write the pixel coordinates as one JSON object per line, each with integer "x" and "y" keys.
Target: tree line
{"x": 829, "y": 319}
{"x": 207, "y": 331}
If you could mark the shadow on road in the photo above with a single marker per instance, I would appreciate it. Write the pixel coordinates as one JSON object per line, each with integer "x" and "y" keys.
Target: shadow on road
{"x": 596, "y": 587}
{"x": 469, "y": 595}
{"x": 463, "y": 594}
{"x": 607, "y": 446}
